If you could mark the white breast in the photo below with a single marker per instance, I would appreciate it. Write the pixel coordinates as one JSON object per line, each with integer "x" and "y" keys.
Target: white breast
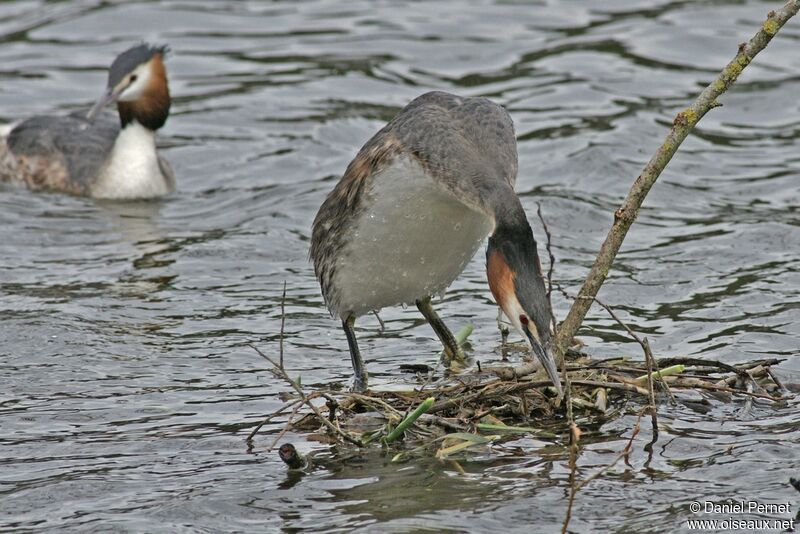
{"x": 132, "y": 170}
{"x": 412, "y": 240}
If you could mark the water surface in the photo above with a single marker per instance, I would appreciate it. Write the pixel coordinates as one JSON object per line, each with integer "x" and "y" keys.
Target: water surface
{"x": 128, "y": 385}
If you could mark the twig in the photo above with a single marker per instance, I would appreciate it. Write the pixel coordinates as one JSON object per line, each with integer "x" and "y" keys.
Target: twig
{"x": 268, "y": 418}
{"x": 683, "y": 124}
{"x": 743, "y": 374}
{"x": 430, "y": 419}
{"x": 755, "y": 372}
{"x": 701, "y": 362}
{"x": 552, "y": 260}
{"x": 280, "y": 373}
{"x": 622, "y": 386}
{"x": 574, "y": 430}
{"x": 775, "y": 379}
{"x": 648, "y": 354}
{"x": 285, "y": 427}
{"x": 372, "y": 401}
{"x": 698, "y": 384}
{"x": 380, "y": 321}
{"x": 283, "y": 323}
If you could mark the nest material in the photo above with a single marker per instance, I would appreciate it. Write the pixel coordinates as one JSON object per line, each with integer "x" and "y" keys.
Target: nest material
{"x": 462, "y": 408}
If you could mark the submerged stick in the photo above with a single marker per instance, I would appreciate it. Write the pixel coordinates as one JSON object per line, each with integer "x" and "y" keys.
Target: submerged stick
{"x": 683, "y": 124}
{"x": 574, "y": 489}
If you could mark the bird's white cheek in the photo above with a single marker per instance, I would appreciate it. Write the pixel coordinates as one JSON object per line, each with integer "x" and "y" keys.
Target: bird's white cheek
{"x": 135, "y": 90}
{"x": 513, "y": 311}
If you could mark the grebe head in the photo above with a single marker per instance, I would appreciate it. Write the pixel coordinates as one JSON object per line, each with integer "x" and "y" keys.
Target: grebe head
{"x": 515, "y": 278}
{"x": 137, "y": 82}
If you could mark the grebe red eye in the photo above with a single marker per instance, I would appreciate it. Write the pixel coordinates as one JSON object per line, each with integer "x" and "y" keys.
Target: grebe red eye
{"x": 523, "y": 319}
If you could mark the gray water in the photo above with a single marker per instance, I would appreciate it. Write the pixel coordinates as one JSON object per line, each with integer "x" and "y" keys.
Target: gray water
{"x": 128, "y": 386}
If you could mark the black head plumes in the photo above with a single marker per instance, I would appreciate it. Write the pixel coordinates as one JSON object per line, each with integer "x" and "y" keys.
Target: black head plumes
{"x": 137, "y": 83}
{"x": 127, "y": 61}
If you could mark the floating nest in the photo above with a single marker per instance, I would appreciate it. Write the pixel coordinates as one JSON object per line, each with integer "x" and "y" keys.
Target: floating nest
{"x": 447, "y": 415}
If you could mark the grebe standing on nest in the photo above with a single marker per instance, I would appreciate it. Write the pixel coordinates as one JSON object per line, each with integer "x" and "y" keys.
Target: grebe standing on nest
{"x": 98, "y": 154}
{"x": 412, "y": 209}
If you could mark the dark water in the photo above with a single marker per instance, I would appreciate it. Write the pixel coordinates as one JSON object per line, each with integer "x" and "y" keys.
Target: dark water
{"x": 127, "y": 386}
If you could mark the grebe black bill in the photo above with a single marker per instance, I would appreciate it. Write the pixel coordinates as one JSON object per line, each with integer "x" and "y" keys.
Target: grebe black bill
{"x": 99, "y": 154}
{"x": 413, "y": 208}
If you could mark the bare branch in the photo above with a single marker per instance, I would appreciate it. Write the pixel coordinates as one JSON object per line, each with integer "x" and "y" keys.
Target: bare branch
{"x": 281, "y": 373}
{"x": 683, "y": 124}
{"x": 283, "y": 323}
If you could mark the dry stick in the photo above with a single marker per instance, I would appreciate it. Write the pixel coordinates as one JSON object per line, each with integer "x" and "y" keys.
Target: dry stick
{"x": 380, "y": 321}
{"x": 622, "y": 386}
{"x": 372, "y": 401}
{"x": 684, "y": 122}
{"x": 755, "y": 372}
{"x": 650, "y": 360}
{"x": 268, "y": 418}
{"x": 742, "y": 374}
{"x": 775, "y": 379}
{"x": 280, "y": 373}
{"x": 702, "y": 362}
{"x": 626, "y": 214}
{"x": 283, "y": 323}
{"x": 574, "y": 431}
{"x": 299, "y": 403}
{"x": 286, "y": 427}
{"x": 697, "y": 384}
{"x": 331, "y": 403}
{"x": 552, "y": 258}
{"x": 550, "y": 254}
{"x": 648, "y": 356}
{"x": 644, "y": 343}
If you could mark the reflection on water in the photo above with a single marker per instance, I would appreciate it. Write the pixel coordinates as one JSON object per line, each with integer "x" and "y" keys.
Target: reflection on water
{"x": 128, "y": 385}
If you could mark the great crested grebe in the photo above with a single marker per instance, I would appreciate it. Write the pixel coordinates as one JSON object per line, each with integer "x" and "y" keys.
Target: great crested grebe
{"x": 412, "y": 209}
{"x": 98, "y": 154}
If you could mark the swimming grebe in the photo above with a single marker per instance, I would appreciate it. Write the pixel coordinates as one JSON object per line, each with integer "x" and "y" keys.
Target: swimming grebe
{"x": 98, "y": 154}
{"x": 412, "y": 209}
